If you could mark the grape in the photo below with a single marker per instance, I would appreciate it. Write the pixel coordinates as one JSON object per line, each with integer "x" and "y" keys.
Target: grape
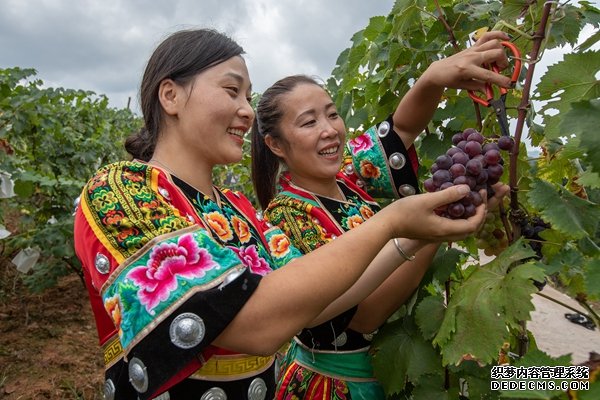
{"x": 531, "y": 229}
{"x": 474, "y": 167}
{"x": 491, "y": 238}
{"x": 473, "y": 148}
{"x": 476, "y": 136}
{"x": 490, "y": 146}
{"x": 467, "y": 132}
{"x": 460, "y": 158}
{"x": 457, "y": 170}
{"x": 452, "y": 151}
{"x": 440, "y": 176}
{"x": 444, "y": 162}
{"x": 491, "y": 157}
{"x": 474, "y": 162}
{"x": 470, "y": 210}
{"x": 429, "y": 185}
{"x": 457, "y": 138}
{"x": 506, "y": 143}
{"x": 494, "y": 171}
{"x": 456, "y": 210}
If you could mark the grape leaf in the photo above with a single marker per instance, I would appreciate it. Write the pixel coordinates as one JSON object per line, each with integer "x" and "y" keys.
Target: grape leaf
{"x": 566, "y": 212}
{"x": 376, "y": 25}
{"x": 583, "y": 120}
{"x": 590, "y": 179}
{"x": 592, "y": 278}
{"x": 429, "y": 315}
{"x": 488, "y": 300}
{"x": 566, "y": 82}
{"x": 401, "y": 353}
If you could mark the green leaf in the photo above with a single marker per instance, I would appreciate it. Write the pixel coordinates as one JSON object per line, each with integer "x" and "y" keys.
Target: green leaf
{"x": 568, "y": 81}
{"x": 401, "y": 353}
{"x": 589, "y": 179}
{"x": 24, "y": 188}
{"x": 488, "y": 301}
{"x": 429, "y": 315}
{"x": 566, "y": 212}
{"x": 592, "y": 277}
{"x": 375, "y": 27}
{"x": 583, "y": 120}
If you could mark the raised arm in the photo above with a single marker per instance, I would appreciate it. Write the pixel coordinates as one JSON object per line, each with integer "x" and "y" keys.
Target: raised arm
{"x": 462, "y": 70}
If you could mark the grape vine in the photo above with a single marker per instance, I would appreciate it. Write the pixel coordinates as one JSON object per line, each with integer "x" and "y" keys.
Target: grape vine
{"x": 443, "y": 344}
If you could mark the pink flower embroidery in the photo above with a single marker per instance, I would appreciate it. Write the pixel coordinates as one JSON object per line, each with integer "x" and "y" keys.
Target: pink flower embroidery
{"x": 361, "y": 143}
{"x": 158, "y": 278}
{"x": 250, "y": 258}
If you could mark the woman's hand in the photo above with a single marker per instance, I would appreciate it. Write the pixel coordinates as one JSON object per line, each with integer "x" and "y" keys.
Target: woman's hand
{"x": 465, "y": 70}
{"x": 414, "y": 217}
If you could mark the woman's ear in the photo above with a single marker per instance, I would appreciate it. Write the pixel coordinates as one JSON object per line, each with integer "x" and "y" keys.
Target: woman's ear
{"x": 275, "y": 146}
{"x": 169, "y": 96}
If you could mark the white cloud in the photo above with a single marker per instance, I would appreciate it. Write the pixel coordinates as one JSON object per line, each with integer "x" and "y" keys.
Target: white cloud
{"x": 103, "y": 45}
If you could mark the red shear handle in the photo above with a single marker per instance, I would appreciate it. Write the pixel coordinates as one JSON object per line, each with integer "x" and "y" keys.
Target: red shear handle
{"x": 489, "y": 90}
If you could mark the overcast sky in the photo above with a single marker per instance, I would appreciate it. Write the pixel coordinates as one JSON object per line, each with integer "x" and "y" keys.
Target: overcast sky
{"x": 103, "y": 45}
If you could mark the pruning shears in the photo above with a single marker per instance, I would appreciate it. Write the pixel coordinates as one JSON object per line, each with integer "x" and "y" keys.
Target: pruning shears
{"x": 499, "y": 103}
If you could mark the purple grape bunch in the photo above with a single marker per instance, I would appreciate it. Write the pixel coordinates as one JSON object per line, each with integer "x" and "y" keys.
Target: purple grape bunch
{"x": 469, "y": 161}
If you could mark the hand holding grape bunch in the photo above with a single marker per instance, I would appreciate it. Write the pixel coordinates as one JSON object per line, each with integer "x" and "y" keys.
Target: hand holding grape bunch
{"x": 470, "y": 161}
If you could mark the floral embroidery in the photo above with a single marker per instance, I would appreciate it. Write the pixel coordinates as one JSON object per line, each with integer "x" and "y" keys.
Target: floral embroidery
{"x": 366, "y": 212}
{"x": 279, "y": 245}
{"x": 361, "y": 143}
{"x": 250, "y": 258}
{"x": 219, "y": 224}
{"x": 369, "y": 170}
{"x": 113, "y": 308}
{"x": 353, "y": 221}
{"x": 158, "y": 278}
{"x": 105, "y": 201}
{"x": 241, "y": 229}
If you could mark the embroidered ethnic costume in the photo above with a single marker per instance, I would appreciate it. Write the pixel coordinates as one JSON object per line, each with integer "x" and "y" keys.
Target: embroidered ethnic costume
{"x": 331, "y": 361}
{"x": 167, "y": 269}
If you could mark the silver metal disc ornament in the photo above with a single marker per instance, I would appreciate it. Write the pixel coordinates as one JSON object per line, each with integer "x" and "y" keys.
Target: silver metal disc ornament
{"x": 102, "y": 264}
{"x": 257, "y": 390}
{"x": 215, "y": 393}
{"x": 187, "y": 330}
{"x": 397, "y": 160}
{"x": 138, "y": 375}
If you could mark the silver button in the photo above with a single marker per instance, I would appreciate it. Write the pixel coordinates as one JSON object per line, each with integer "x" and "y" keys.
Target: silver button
{"x": 187, "y": 330}
{"x": 257, "y": 390}
{"x": 406, "y": 190}
{"x": 397, "y": 160}
{"x": 138, "y": 376}
{"x": 349, "y": 169}
{"x": 384, "y": 129}
{"x": 164, "y": 193}
{"x": 190, "y": 218}
{"x": 76, "y": 202}
{"x": 360, "y": 183}
{"x": 215, "y": 393}
{"x": 109, "y": 389}
{"x": 368, "y": 336}
{"x": 259, "y": 215}
{"x": 231, "y": 277}
{"x": 340, "y": 340}
{"x": 102, "y": 264}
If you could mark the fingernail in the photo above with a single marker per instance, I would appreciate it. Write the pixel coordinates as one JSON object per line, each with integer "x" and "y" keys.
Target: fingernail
{"x": 463, "y": 189}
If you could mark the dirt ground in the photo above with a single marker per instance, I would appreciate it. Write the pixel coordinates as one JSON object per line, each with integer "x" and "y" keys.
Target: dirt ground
{"x": 48, "y": 342}
{"x": 48, "y": 347}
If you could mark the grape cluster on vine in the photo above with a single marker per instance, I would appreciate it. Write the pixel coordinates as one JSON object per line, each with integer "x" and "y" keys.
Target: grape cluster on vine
{"x": 530, "y": 229}
{"x": 469, "y": 161}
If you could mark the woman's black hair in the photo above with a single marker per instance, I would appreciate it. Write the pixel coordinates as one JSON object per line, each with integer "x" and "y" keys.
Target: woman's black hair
{"x": 180, "y": 57}
{"x": 265, "y": 164}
